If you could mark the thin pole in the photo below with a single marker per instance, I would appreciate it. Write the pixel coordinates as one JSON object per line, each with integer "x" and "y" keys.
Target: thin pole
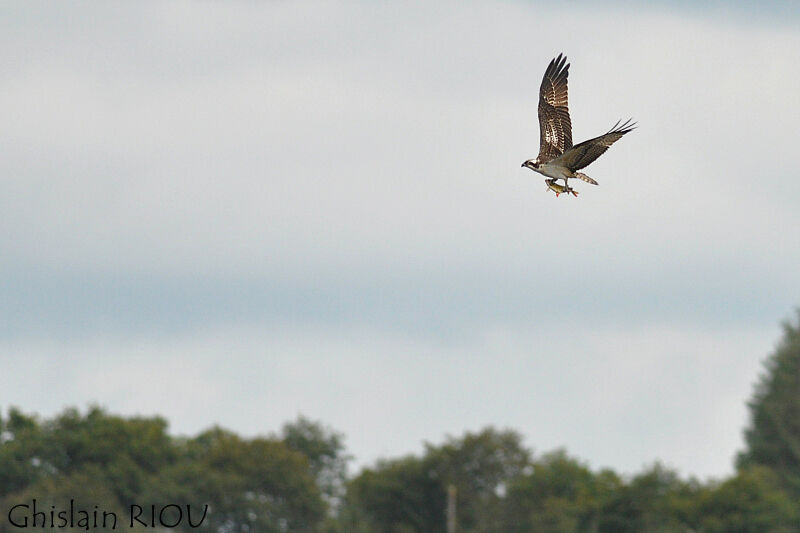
{"x": 451, "y": 509}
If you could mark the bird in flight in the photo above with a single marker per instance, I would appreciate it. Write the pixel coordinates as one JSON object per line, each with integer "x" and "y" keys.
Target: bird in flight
{"x": 558, "y": 158}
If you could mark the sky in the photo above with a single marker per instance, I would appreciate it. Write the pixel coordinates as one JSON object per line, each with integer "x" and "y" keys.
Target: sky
{"x": 236, "y": 213}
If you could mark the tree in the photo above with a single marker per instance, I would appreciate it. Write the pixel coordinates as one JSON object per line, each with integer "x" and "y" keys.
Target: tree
{"x": 21, "y": 450}
{"x": 399, "y": 496}
{"x": 773, "y": 436}
{"x": 656, "y": 501}
{"x": 326, "y": 455}
{"x": 88, "y": 488}
{"x": 753, "y": 501}
{"x": 557, "y": 495}
{"x": 112, "y": 462}
{"x": 480, "y": 466}
{"x": 127, "y": 450}
{"x": 249, "y": 484}
{"x": 409, "y": 495}
{"x": 94, "y": 459}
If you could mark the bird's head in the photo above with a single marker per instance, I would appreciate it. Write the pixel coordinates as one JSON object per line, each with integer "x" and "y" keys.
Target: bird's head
{"x": 531, "y": 163}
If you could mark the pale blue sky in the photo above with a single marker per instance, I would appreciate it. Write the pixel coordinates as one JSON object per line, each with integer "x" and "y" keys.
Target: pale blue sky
{"x": 233, "y": 213}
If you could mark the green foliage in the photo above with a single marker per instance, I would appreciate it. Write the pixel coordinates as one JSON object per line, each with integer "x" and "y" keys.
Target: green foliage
{"x": 751, "y": 502}
{"x": 126, "y": 450}
{"x": 557, "y": 495}
{"x": 276, "y": 485}
{"x": 250, "y": 485}
{"x": 656, "y": 500}
{"x": 20, "y": 455}
{"x": 86, "y": 487}
{"x": 326, "y": 455}
{"x": 479, "y": 465}
{"x": 773, "y": 437}
{"x": 410, "y": 495}
{"x": 112, "y": 462}
{"x": 400, "y": 496}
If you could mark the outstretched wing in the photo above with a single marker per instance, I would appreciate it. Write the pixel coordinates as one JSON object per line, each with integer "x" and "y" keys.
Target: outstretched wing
{"x": 555, "y": 128}
{"x": 582, "y": 154}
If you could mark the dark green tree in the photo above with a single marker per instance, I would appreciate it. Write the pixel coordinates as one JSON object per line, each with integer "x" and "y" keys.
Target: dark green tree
{"x": 126, "y": 450}
{"x": 249, "y": 484}
{"x": 557, "y": 495}
{"x": 326, "y": 455}
{"x": 399, "y": 496}
{"x": 773, "y": 436}
{"x": 112, "y": 462}
{"x": 753, "y": 501}
{"x": 22, "y": 452}
{"x": 129, "y": 450}
{"x": 656, "y": 501}
{"x": 88, "y": 488}
{"x": 410, "y": 495}
{"x": 480, "y": 466}
{"x": 94, "y": 459}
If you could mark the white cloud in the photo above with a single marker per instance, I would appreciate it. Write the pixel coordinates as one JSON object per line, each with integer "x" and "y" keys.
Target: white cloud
{"x": 389, "y": 145}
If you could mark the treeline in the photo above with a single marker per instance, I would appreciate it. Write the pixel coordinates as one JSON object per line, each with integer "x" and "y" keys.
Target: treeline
{"x": 82, "y": 468}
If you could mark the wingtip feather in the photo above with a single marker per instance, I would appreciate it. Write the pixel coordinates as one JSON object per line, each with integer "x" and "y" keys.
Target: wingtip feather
{"x": 623, "y": 127}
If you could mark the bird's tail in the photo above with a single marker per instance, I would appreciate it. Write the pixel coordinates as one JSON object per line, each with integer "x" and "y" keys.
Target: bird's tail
{"x": 584, "y": 177}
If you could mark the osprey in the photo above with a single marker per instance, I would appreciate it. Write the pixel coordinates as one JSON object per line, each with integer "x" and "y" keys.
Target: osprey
{"x": 557, "y": 158}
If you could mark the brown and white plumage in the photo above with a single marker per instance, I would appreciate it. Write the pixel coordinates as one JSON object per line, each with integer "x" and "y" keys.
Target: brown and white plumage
{"x": 582, "y": 154}
{"x": 555, "y": 127}
{"x": 558, "y": 158}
